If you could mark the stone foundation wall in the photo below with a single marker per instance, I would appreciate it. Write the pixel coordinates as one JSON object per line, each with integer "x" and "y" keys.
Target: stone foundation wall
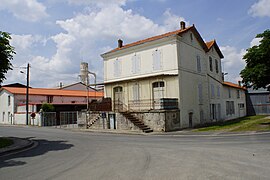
{"x": 163, "y": 120}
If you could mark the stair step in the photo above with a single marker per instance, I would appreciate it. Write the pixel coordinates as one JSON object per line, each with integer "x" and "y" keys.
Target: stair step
{"x": 148, "y": 130}
{"x": 137, "y": 122}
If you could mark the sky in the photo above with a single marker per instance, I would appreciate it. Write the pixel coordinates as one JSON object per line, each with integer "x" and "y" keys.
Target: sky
{"x": 55, "y": 36}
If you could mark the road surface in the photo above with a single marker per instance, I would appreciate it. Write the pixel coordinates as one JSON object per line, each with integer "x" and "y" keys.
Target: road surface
{"x": 63, "y": 154}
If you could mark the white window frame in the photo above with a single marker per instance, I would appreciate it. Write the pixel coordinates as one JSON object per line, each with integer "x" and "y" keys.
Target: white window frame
{"x": 117, "y": 68}
{"x": 157, "y": 60}
{"x": 136, "y": 64}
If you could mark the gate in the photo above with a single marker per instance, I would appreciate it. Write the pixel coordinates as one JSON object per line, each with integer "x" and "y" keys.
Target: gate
{"x": 49, "y": 119}
{"x": 69, "y": 117}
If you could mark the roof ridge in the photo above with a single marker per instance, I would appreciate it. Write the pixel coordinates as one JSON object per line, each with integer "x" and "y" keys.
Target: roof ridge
{"x": 152, "y": 38}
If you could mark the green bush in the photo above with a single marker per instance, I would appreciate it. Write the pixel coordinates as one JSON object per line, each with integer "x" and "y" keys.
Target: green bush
{"x": 47, "y": 107}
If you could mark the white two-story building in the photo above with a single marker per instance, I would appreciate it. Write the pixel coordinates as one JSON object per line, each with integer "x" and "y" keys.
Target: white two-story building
{"x": 170, "y": 81}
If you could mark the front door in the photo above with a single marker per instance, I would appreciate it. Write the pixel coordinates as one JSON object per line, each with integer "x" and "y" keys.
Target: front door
{"x": 190, "y": 119}
{"x": 118, "y": 98}
{"x": 158, "y": 93}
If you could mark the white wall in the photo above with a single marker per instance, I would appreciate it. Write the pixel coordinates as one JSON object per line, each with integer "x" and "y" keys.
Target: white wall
{"x": 20, "y": 119}
{"x": 238, "y": 111}
{"x": 168, "y": 61}
{"x": 6, "y": 110}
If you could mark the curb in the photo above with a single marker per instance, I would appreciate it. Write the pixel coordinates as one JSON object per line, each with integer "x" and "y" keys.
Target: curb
{"x": 10, "y": 150}
{"x": 172, "y": 134}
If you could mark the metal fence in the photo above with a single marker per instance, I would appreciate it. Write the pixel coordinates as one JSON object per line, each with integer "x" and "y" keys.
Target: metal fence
{"x": 67, "y": 118}
{"x": 49, "y": 119}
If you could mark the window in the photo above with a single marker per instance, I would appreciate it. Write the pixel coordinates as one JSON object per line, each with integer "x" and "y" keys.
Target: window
{"x": 212, "y": 111}
{"x": 158, "y": 84}
{"x": 241, "y": 105}
{"x": 8, "y": 100}
{"x": 201, "y": 116}
{"x": 136, "y": 63}
{"x": 229, "y": 93}
{"x": 157, "y": 56}
{"x": 199, "y": 69}
{"x": 200, "y": 93}
{"x": 218, "y": 91}
{"x": 210, "y": 63}
{"x": 230, "y": 107}
{"x": 212, "y": 91}
{"x": 216, "y": 62}
{"x": 117, "y": 68}
{"x": 136, "y": 94}
{"x": 238, "y": 94}
{"x": 191, "y": 37}
{"x": 49, "y": 99}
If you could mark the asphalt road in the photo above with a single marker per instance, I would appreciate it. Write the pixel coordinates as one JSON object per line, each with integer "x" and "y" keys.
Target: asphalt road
{"x": 63, "y": 154}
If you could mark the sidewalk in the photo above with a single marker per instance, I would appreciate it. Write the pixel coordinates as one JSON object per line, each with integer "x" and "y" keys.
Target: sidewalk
{"x": 185, "y": 132}
{"x": 18, "y": 145}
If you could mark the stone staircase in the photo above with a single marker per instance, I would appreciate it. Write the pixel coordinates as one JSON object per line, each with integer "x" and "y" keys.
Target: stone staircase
{"x": 137, "y": 122}
{"x": 93, "y": 120}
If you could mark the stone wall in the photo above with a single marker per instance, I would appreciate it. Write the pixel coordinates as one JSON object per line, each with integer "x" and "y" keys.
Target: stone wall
{"x": 159, "y": 120}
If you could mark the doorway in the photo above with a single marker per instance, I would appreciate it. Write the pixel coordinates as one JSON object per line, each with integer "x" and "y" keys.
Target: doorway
{"x": 158, "y": 93}
{"x": 190, "y": 116}
{"x": 118, "y": 98}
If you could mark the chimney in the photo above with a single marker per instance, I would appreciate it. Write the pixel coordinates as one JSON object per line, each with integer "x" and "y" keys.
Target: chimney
{"x": 239, "y": 83}
{"x": 183, "y": 25}
{"x": 120, "y": 43}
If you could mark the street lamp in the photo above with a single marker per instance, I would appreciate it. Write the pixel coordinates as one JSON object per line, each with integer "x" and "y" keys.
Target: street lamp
{"x": 27, "y": 91}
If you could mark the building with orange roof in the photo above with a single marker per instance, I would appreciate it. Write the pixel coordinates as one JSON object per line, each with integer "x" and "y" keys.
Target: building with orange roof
{"x": 13, "y": 101}
{"x": 170, "y": 81}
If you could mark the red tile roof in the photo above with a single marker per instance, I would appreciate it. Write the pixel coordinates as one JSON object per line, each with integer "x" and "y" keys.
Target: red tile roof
{"x": 206, "y": 46}
{"x": 52, "y": 92}
{"x": 212, "y": 43}
{"x": 177, "y": 32}
{"x": 233, "y": 85}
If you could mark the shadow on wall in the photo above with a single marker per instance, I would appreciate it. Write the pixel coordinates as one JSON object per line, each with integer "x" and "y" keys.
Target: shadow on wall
{"x": 43, "y": 147}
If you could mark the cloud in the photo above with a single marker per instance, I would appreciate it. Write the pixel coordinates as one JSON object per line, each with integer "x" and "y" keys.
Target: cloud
{"x": 232, "y": 62}
{"x": 27, "y": 10}
{"x": 87, "y": 35}
{"x": 99, "y": 3}
{"x": 23, "y": 42}
{"x": 260, "y": 9}
{"x": 255, "y": 42}
{"x": 172, "y": 21}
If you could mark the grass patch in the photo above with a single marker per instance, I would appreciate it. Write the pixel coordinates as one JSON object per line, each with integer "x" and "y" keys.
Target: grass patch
{"x": 4, "y": 142}
{"x": 250, "y": 123}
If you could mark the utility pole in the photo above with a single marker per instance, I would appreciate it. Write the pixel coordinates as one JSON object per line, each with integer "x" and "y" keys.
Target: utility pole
{"x": 27, "y": 93}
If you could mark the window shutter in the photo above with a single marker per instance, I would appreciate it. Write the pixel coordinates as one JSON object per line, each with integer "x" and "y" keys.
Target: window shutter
{"x": 200, "y": 93}
{"x": 156, "y": 60}
{"x": 212, "y": 91}
{"x": 133, "y": 59}
{"x": 199, "y": 63}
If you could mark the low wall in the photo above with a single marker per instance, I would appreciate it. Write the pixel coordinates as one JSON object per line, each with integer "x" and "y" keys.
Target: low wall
{"x": 162, "y": 120}
{"x": 20, "y": 119}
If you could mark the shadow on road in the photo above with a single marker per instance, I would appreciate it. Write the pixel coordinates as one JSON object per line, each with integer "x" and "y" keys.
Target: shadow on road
{"x": 44, "y": 146}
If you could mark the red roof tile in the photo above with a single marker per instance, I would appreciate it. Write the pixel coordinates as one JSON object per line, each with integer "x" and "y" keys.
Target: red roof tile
{"x": 179, "y": 31}
{"x": 52, "y": 92}
{"x": 212, "y": 43}
{"x": 233, "y": 85}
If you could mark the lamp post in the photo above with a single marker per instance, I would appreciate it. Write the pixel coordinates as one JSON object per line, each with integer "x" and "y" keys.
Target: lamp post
{"x": 27, "y": 92}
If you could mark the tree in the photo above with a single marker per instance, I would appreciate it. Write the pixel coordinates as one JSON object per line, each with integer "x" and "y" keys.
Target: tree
{"x": 256, "y": 74}
{"x": 47, "y": 107}
{"x": 6, "y": 54}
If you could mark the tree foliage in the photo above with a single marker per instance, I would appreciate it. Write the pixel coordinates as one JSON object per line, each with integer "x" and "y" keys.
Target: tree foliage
{"x": 47, "y": 107}
{"x": 6, "y": 54}
{"x": 256, "y": 74}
